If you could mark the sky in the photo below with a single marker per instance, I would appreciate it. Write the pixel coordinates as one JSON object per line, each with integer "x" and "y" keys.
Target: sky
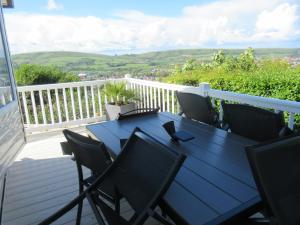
{"x": 136, "y": 26}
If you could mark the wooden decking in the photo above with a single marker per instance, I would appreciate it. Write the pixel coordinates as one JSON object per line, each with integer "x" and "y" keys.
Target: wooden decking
{"x": 41, "y": 181}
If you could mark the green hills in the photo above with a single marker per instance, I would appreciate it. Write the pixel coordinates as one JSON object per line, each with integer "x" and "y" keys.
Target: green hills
{"x": 152, "y": 63}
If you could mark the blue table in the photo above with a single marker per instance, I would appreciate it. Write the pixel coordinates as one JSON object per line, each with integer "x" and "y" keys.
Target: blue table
{"x": 215, "y": 183}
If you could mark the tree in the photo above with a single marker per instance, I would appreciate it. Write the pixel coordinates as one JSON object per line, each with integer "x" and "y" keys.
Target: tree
{"x": 31, "y": 74}
{"x": 219, "y": 57}
{"x": 189, "y": 65}
{"x": 247, "y": 59}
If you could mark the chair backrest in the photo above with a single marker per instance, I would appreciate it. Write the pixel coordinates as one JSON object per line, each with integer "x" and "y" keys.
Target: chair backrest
{"x": 252, "y": 122}
{"x": 137, "y": 112}
{"x": 197, "y": 107}
{"x": 276, "y": 169}
{"x": 88, "y": 152}
{"x": 144, "y": 171}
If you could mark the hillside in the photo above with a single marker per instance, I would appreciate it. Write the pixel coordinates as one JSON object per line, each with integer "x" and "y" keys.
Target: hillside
{"x": 158, "y": 63}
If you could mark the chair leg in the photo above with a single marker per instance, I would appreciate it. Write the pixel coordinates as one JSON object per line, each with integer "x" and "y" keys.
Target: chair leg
{"x": 95, "y": 210}
{"x": 163, "y": 213}
{"x": 117, "y": 206}
{"x": 79, "y": 211}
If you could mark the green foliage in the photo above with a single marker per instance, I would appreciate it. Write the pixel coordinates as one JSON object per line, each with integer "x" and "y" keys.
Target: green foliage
{"x": 219, "y": 57}
{"x": 30, "y": 74}
{"x": 152, "y": 63}
{"x": 246, "y": 60}
{"x": 269, "y": 78}
{"x": 119, "y": 93}
{"x": 189, "y": 65}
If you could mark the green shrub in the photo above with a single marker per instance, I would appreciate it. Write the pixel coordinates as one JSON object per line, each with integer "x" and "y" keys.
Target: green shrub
{"x": 30, "y": 74}
{"x": 118, "y": 93}
{"x": 269, "y": 78}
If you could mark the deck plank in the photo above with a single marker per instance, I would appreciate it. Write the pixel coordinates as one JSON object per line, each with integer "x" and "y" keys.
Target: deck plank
{"x": 41, "y": 181}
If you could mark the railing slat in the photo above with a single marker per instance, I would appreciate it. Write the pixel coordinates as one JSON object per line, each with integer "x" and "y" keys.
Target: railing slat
{"x": 24, "y": 100}
{"x": 66, "y": 105}
{"x": 141, "y": 96}
{"x": 291, "y": 120}
{"x": 79, "y": 102}
{"x": 86, "y": 102}
{"x": 151, "y": 97}
{"x": 42, "y": 106}
{"x": 168, "y": 100}
{"x": 144, "y": 96}
{"x": 93, "y": 101}
{"x": 148, "y": 97}
{"x": 50, "y": 106}
{"x": 155, "y": 98}
{"x": 213, "y": 102}
{"x": 72, "y": 103}
{"x": 34, "y": 108}
{"x": 173, "y": 102}
{"x": 221, "y": 113}
{"x": 58, "y": 106}
{"x": 163, "y": 100}
{"x": 100, "y": 101}
{"x": 105, "y": 99}
{"x": 159, "y": 99}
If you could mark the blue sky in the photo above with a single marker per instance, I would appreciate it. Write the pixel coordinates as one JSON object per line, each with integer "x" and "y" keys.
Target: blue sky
{"x": 133, "y": 26}
{"x": 106, "y": 8}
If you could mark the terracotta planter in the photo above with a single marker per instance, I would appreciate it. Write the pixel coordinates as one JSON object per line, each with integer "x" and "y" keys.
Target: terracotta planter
{"x": 112, "y": 111}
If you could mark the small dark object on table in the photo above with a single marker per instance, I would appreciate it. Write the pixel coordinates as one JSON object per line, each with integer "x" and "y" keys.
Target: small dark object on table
{"x": 179, "y": 135}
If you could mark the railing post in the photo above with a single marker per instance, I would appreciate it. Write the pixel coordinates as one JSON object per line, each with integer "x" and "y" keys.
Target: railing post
{"x": 204, "y": 88}
{"x": 127, "y": 76}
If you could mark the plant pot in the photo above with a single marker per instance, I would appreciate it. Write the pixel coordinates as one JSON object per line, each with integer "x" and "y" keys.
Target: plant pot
{"x": 112, "y": 110}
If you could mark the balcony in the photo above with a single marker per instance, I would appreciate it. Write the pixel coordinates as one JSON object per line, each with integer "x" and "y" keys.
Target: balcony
{"x": 41, "y": 179}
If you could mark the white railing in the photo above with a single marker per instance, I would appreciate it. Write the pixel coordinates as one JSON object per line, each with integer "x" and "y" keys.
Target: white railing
{"x": 161, "y": 94}
{"x": 61, "y": 105}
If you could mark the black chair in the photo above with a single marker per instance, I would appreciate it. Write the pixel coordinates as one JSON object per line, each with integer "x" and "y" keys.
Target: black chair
{"x": 142, "y": 174}
{"x": 138, "y": 112}
{"x": 254, "y": 123}
{"x": 93, "y": 155}
{"x": 198, "y": 108}
{"x": 276, "y": 170}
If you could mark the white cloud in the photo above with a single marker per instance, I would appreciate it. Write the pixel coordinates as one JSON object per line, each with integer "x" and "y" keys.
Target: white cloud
{"x": 53, "y": 5}
{"x": 221, "y": 23}
{"x": 278, "y": 23}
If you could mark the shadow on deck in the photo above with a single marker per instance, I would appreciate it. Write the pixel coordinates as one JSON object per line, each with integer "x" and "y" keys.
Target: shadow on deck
{"x": 41, "y": 181}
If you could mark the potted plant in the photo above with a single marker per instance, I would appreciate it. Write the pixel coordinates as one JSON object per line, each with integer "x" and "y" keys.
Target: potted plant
{"x": 121, "y": 99}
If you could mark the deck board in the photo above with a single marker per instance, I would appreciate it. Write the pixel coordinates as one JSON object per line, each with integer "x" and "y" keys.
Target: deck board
{"x": 42, "y": 180}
